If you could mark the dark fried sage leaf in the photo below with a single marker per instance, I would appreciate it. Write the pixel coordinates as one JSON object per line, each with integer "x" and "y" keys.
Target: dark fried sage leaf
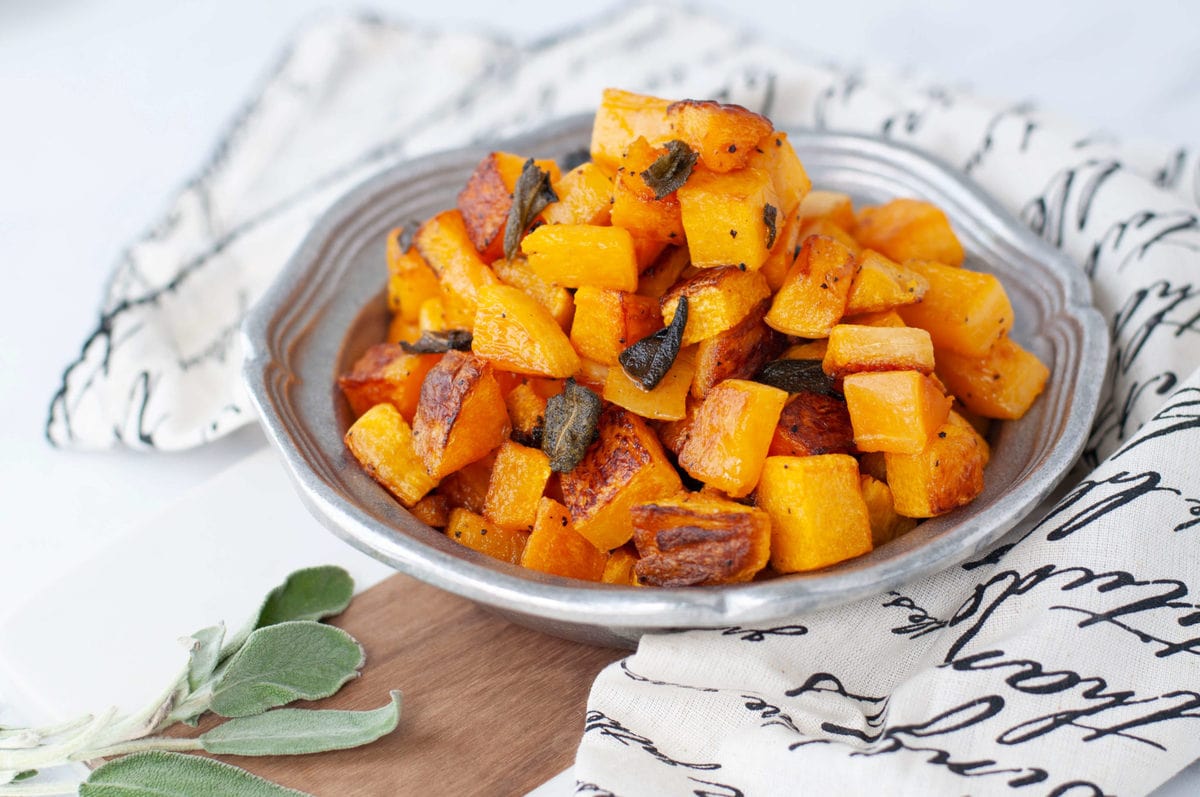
{"x": 574, "y": 158}
{"x": 797, "y": 376}
{"x": 570, "y": 426}
{"x": 439, "y": 342}
{"x": 770, "y": 213}
{"x": 648, "y": 360}
{"x": 405, "y": 237}
{"x": 531, "y": 196}
{"x": 670, "y": 170}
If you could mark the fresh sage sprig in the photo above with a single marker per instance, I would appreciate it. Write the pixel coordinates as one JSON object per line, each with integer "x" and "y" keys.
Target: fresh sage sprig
{"x": 283, "y": 654}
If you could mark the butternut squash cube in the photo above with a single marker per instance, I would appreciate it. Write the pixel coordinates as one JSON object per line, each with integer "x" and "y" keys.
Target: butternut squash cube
{"x": 467, "y": 486}
{"x": 731, "y": 435}
{"x": 666, "y": 402}
{"x": 836, "y": 207}
{"x": 776, "y": 155}
{"x": 400, "y": 330}
{"x": 621, "y": 118}
{"x": 909, "y": 229}
{"x": 619, "y": 567}
{"x": 432, "y": 510}
{"x": 674, "y": 434}
{"x": 592, "y": 375}
{"x": 646, "y": 250}
{"x": 882, "y": 284}
{"x": 961, "y": 421}
{"x": 584, "y": 197}
{"x": 854, "y": 349}
{"x": 894, "y": 411}
{"x": 385, "y": 372}
{"x": 479, "y": 533}
{"x": 736, "y": 353}
{"x": 625, "y": 466}
{"x": 518, "y": 334}
{"x": 827, "y": 228}
{"x": 431, "y": 316}
{"x": 663, "y": 272}
{"x": 517, "y": 482}
{"x": 460, "y": 416}
{"x": 608, "y": 321}
{"x": 965, "y": 312}
{"x": 725, "y": 217}
{"x": 634, "y": 203}
{"x": 574, "y": 255}
{"x": 718, "y": 300}
{"x": 810, "y": 424}
{"x": 444, "y": 243}
{"x": 1001, "y": 384}
{"x": 783, "y": 253}
{"x": 410, "y": 279}
{"x": 555, "y": 546}
{"x": 695, "y": 538}
{"x": 946, "y": 474}
{"x": 809, "y": 350}
{"x": 723, "y": 135}
{"x": 813, "y": 296}
{"x": 527, "y": 412}
{"x": 884, "y": 318}
{"x": 818, "y": 517}
{"x": 382, "y": 442}
{"x": 555, "y": 298}
{"x": 886, "y": 524}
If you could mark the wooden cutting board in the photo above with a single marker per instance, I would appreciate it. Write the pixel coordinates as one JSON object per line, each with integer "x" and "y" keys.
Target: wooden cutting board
{"x": 490, "y": 708}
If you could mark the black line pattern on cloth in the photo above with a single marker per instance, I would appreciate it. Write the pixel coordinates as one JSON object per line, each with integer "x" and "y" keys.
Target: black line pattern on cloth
{"x": 1022, "y": 112}
{"x": 760, "y": 634}
{"x": 918, "y": 622}
{"x": 597, "y": 722}
{"x": 724, "y": 789}
{"x": 633, "y": 676}
{"x": 592, "y": 790}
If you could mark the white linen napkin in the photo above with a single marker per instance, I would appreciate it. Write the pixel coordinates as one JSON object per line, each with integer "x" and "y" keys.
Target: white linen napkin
{"x": 1064, "y": 662}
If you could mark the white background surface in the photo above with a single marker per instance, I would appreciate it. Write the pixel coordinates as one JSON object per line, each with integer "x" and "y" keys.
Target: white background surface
{"x": 106, "y": 108}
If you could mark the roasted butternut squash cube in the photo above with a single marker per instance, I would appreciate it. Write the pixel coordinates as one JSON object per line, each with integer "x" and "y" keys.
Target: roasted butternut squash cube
{"x": 718, "y": 300}
{"x": 726, "y": 217}
{"x": 886, "y": 524}
{"x": 446, "y": 246}
{"x": 666, "y": 402}
{"x": 723, "y": 135}
{"x": 487, "y": 197}
{"x": 663, "y": 272}
{"x": 812, "y": 423}
{"x": 432, "y": 510}
{"x": 592, "y": 374}
{"x": 696, "y": 538}
{"x": 895, "y": 411}
{"x": 619, "y": 567}
{"x": 646, "y": 250}
{"x": 382, "y": 442}
{"x": 400, "y": 330}
{"x": 636, "y": 207}
{"x": 731, "y": 435}
{"x": 818, "y": 517}
{"x": 674, "y": 434}
{"x": 884, "y": 318}
{"x": 513, "y": 330}
{"x": 555, "y": 298}
{"x": 527, "y": 413}
{"x": 1001, "y": 384}
{"x": 838, "y": 208}
{"x": 882, "y": 284}
{"x": 965, "y": 312}
{"x": 608, "y": 321}
{"x": 809, "y": 350}
{"x": 826, "y": 227}
{"x": 479, "y": 533}
{"x": 946, "y": 474}
{"x": 909, "y": 229}
{"x": 736, "y": 353}
{"x": 467, "y": 486}
{"x": 410, "y": 279}
{"x": 874, "y": 463}
{"x": 854, "y": 349}
{"x": 584, "y": 197}
{"x": 460, "y": 415}
{"x": 574, "y": 255}
{"x": 625, "y": 466}
{"x": 431, "y": 316}
{"x": 776, "y": 155}
{"x": 385, "y": 372}
{"x": 555, "y": 546}
{"x": 813, "y": 296}
{"x": 517, "y": 482}
{"x": 621, "y": 118}
{"x": 783, "y": 253}
{"x": 961, "y": 421}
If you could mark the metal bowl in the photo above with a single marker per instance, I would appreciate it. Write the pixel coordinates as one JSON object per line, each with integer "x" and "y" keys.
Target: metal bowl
{"x": 328, "y": 305}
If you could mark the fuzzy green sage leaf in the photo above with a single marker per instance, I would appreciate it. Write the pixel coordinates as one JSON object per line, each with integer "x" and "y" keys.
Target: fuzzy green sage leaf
{"x": 647, "y": 361}
{"x": 296, "y": 731}
{"x": 670, "y": 170}
{"x": 530, "y": 197}
{"x": 204, "y": 655}
{"x": 298, "y": 660}
{"x": 313, "y": 593}
{"x": 570, "y": 426}
{"x": 162, "y": 774}
{"x": 797, "y": 376}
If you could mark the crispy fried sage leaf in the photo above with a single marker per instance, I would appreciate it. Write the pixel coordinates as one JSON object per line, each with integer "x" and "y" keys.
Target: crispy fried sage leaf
{"x": 797, "y": 376}
{"x": 404, "y": 237}
{"x": 670, "y": 170}
{"x": 162, "y": 774}
{"x": 570, "y": 426}
{"x": 770, "y": 213}
{"x": 648, "y": 360}
{"x": 441, "y": 342}
{"x": 530, "y": 197}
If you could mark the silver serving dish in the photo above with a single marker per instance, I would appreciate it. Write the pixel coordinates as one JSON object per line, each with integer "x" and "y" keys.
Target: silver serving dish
{"x": 328, "y": 305}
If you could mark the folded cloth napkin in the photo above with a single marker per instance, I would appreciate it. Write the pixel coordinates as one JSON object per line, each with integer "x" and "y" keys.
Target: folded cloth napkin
{"x": 1064, "y": 661}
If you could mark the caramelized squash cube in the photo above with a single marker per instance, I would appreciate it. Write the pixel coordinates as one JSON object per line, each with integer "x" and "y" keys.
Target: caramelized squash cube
{"x": 382, "y": 442}
{"x": 479, "y": 533}
{"x": 1001, "y": 384}
{"x": 812, "y": 423}
{"x": 731, "y": 435}
{"x": 619, "y": 567}
{"x": 625, "y": 466}
{"x": 432, "y": 315}
{"x": 736, "y": 353}
{"x": 946, "y": 474}
{"x": 592, "y": 375}
{"x": 838, "y": 208}
{"x": 574, "y": 255}
{"x": 608, "y": 321}
{"x": 634, "y": 203}
{"x": 555, "y": 298}
{"x": 718, "y": 300}
{"x": 385, "y": 372}
{"x": 818, "y": 516}
{"x": 486, "y": 199}
{"x": 621, "y": 118}
{"x": 829, "y": 230}
{"x": 965, "y": 312}
{"x": 517, "y": 482}
{"x": 460, "y": 416}
{"x": 467, "y": 486}
{"x": 854, "y": 349}
{"x": 809, "y": 350}
{"x": 666, "y": 402}
{"x": 909, "y": 229}
{"x": 882, "y": 284}
{"x": 674, "y": 434}
{"x": 725, "y": 217}
{"x": 783, "y": 253}
{"x": 894, "y": 411}
{"x": 813, "y": 296}
{"x": 696, "y": 538}
{"x": 779, "y": 159}
{"x": 432, "y": 510}
{"x": 444, "y": 243}
{"x": 410, "y": 279}
{"x": 723, "y": 135}
{"x": 584, "y": 197}
{"x": 884, "y": 318}
{"x": 518, "y": 334}
{"x": 663, "y": 272}
{"x": 962, "y": 422}
{"x": 527, "y": 412}
{"x": 886, "y": 524}
{"x": 555, "y": 546}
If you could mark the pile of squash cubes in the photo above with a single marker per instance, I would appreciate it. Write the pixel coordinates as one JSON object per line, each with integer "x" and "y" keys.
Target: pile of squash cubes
{"x": 676, "y": 364}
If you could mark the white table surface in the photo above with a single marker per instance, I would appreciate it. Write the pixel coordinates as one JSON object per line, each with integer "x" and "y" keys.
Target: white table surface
{"x": 106, "y": 108}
